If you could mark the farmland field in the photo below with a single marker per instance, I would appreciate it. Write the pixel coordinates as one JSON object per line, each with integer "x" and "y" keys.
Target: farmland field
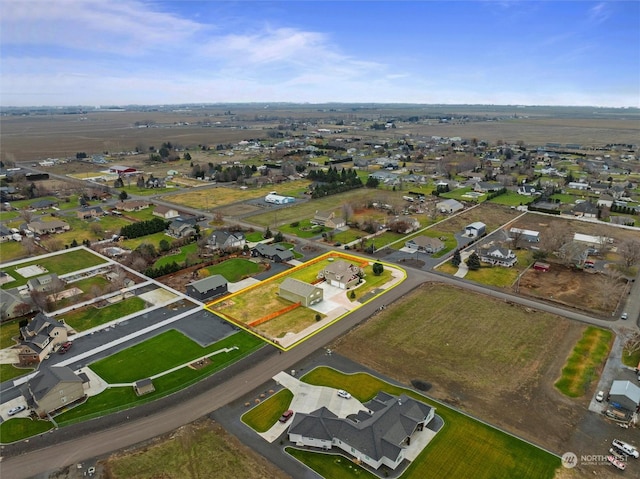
{"x": 499, "y": 352}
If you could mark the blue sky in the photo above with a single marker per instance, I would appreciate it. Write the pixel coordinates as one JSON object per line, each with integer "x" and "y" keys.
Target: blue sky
{"x": 109, "y": 52}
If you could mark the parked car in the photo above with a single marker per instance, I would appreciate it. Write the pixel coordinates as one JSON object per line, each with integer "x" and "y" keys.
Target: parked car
{"x": 624, "y": 316}
{"x": 15, "y": 410}
{"x": 600, "y": 396}
{"x": 65, "y": 347}
{"x": 344, "y": 394}
{"x": 286, "y": 416}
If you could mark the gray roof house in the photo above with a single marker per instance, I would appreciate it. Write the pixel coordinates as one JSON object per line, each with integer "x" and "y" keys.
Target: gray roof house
{"x": 226, "y": 240}
{"x": 42, "y": 283}
{"x": 207, "y": 288}
{"x": 586, "y": 209}
{"x": 12, "y": 304}
{"x": 375, "y": 437}
{"x": 300, "y": 292}
{"x": 499, "y": 256}
{"x": 624, "y": 395}
{"x": 425, "y": 244}
{"x": 341, "y": 274}
{"x": 52, "y": 389}
{"x": 181, "y": 229}
{"x": 39, "y": 338}
{"x": 328, "y": 219}
{"x": 277, "y": 253}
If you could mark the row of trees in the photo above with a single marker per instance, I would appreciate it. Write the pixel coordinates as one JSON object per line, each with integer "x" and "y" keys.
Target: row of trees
{"x": 144, "y": 228}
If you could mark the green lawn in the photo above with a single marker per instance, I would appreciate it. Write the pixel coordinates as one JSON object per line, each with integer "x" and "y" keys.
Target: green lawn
{"x": 330, "y": 465}
{"x": 163, "y": 352}
{"x": 565, "y": 199}
{"x": 19, "y": 428}
{"x": 8, "y": 371}
{"x": 8, "y": 215}
{"x": 61, "y": 264}
{"x": 488, "y": 452}
{"x": 153, "y": 239}
{"x": 254, "y": 237}
{"x": 585, "y": 362}
{"x": 86, "y": 285}
{"x": 498, "y": 275}
{"x": 90, "y": 317}
{"x": 235, "y": 269}
{"x": 10, "y": 251}
{"x": 180, "y": 257}
{"x": 305, "y": 229}
{"x": 265, "y": 415}
{"x": 142, "y": 215}
{"x": 8, "y": 330}
{"x": 511, "y": 198}
{"x": 631, "y": 360}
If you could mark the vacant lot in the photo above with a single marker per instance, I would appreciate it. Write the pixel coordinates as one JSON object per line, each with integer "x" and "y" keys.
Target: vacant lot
{"x": 490, "y": 214}
{"x": 495, "y": 360}
{"x": 192, "y": 452}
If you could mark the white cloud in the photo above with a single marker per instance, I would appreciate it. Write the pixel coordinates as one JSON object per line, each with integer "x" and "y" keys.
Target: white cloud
{"x": 599, "y": 13}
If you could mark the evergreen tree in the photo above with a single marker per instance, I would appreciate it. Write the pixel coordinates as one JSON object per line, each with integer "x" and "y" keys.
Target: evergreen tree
{"x": 473, "y": 262}
{"x": 456, "y": 259}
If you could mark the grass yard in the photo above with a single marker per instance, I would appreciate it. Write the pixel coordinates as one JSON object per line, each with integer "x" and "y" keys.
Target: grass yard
{"x": 8, "y": 371}
{"x": 90, "y": 317}
{"x": 511, "y": 198}
{"x": 265, "y": 415}
{"x": 254, "y": 237}
{"x": 153, "y": 239}
{"x": 234, "y": 269}
{"x": 164, "y": 352}
{"x": 585, "y": 362}
{"x": 8, "y": 215}
{"x": 305, "y": 229}
{"x": 498, "y": 275}
{"x": 330, "y": 465}
{"x": 488, "y": 452}
{"x": 10, "y": 251}
{"x": 631, "y": 360}
{"x": 9, "y": 330}
{"x": 142, "y": 215}
{"x": 199, "y": 450}
{"x": 65, "y": 262}
{"x": 180, "y": 257}
{"x": 17, "y": 429}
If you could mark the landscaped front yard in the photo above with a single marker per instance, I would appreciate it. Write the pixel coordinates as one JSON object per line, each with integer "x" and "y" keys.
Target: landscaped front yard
{"x": 234, "y": 269}
{"x": 91, "y": 317}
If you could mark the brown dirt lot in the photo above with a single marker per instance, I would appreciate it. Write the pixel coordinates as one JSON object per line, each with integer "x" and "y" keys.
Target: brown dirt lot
{"x": 490, "y": 214}
{"x": 570, "y": 287}
{"x": 494, "y": 360}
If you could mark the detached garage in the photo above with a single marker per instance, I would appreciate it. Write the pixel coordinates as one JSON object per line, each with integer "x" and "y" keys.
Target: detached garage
{"x": 624, "y": 395}
{"x": 207, "y": 288}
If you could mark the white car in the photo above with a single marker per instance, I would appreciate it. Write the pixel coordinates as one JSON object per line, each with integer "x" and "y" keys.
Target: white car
{"x": 344, "y": 394}
{"x": 600, "y": 396}
{"x": 15, "y": 410}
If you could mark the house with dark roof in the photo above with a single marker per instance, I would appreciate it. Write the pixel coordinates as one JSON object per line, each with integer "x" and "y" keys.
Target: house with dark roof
{"x": 328, "y": 219}
{"x": 526, "y": 190}
{"x": 5, "y": 234}
{"x": 375, "y": 437}
{"x": 39, "y": 338}
{"x": 277, "y": 252}
{"x": 341, "y": 274}
{"x": 44, "y": 283}
{"x": 586, "y": 209}
{"x": 425, "y": 244}
{"x": 207, "y": 288}
{"x": 12, "y": 304}
{"x": 52, "y": 389}
{"x": 87, "y": 212}
{"x": 487, "y": 186}
{"x": 300, "y": 292}
{"x": 180, "y": 228}
{"x": 226, "y": 240}
{"x": 498, "y": 256}
{"x": 42, "y": 204}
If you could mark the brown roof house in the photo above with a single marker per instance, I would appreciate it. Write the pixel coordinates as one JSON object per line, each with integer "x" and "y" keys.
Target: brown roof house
{"x": 300, "y": 292}
{"x": 52, "y": 389}
{"x": 133, "y": 205}
{"x": 39, "y": 338}
{"x": 328, "y": 219}
{"x": 165, "y": 212}
{"x": 424, "y": 244}
{"x": 48, "y": 227}
{"x": 341, "y": 274}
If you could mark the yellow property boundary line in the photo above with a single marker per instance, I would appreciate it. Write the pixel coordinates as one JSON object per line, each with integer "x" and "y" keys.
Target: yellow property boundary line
{"x": 334, "y": 254}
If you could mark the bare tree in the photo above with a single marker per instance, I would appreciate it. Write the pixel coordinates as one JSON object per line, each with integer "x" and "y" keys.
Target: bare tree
{"x": 55, "y": 288}
{"x": 39, "y": 299}
{"x": 29, "y": 246}
{"x": 53, "y": 244}
{"x": 347, "y": 212}
{"x": 96, "y": 229}
{"x": 632, "y": 345}
{"x": 26, "y": 215}
{"x": 556, "y": 236}
{"x": 630, "y": 251}
{"x": 517, "y": 237}
{"x": 609, "y": 283}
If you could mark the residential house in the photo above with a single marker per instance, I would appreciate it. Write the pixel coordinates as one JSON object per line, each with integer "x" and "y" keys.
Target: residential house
{"x": 44, "y": 283}
{"x": 526, "y": 190}
{"x": 586, "y": 209}
{"x": 300, "y": 292}
{"x": 376, "y": 436}
{"x": 48, "y": 227}
{"x": 487, "y": 187}
{"x": 578, "y": 185}
{"x": 12, "y": 304}
{"x": 403, "y": 224}
{"x": 226, "y": 240}
{"x": 624, "y": 395}
{"x": 134, "y": 205}
{"x": 277, "y": 253}
{"x": 341, "y": 274}
{"x": 498, "y": 256}
{"x": 39, "y": 338}
{"x": 449, "y": 206}
{"x": 52, "y": 389}
{"x": 5, "y": 234}
{"x": 123, "y": 170}
{"x": 165, "y": 212}
{"x": 475, "y": 230}
{"x": 425, "y": 244}
{"x": 328, "y": 219}
{"x": 207, "y": 288}
{"x": 605, "y": 200}
{"x": 180, "y": 228}
{"x": 42, "y": 204}
{"x": 87, "y": 212}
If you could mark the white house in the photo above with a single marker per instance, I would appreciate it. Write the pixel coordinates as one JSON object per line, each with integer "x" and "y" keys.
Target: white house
{"x": 498, "y": 256}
